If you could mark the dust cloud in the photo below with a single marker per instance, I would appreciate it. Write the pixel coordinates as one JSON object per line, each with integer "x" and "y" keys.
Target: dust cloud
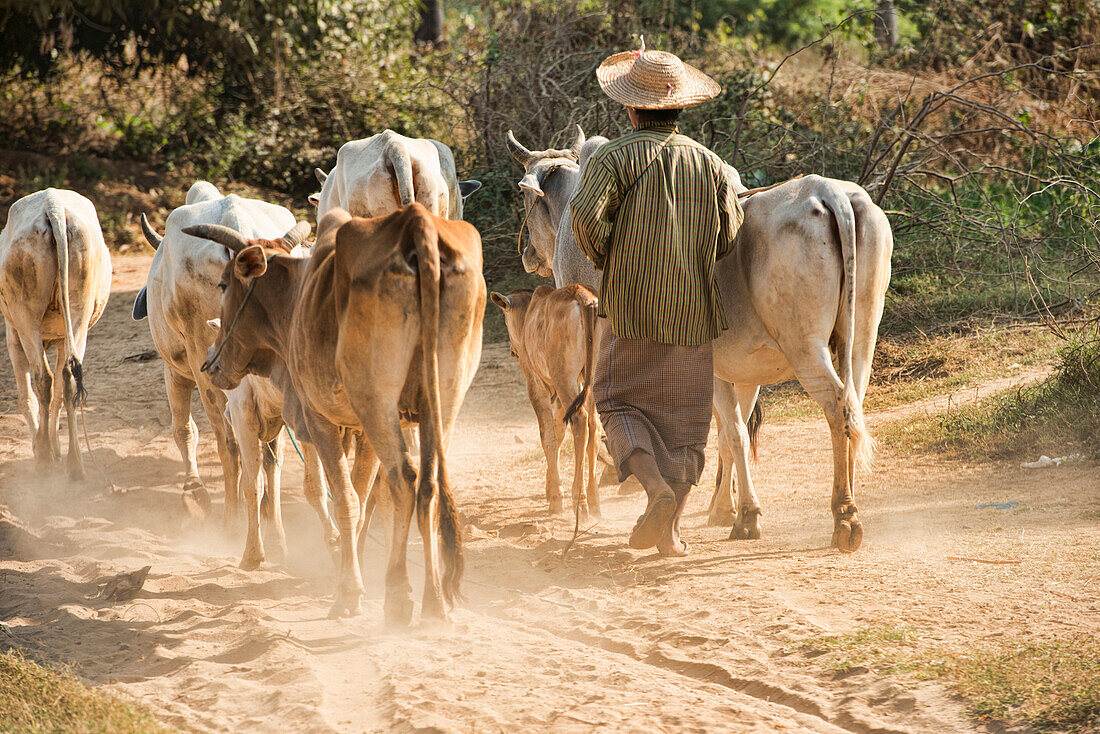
{"x": 608, "y": 638}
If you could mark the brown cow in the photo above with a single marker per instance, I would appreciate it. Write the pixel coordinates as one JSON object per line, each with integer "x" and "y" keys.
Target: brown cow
{"x": 382, "y": 323}
{"x": 554, "y": 336}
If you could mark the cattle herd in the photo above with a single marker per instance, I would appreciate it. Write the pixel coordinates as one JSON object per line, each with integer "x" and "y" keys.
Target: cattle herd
{"x": 370, "y": 338}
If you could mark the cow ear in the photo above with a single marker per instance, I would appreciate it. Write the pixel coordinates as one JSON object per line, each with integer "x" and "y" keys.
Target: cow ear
{"x": 501, "y": 300}
{"x": 468, "y": 187}
{"x": 314, "y": 199}
{"x": 214, "y": 324}
{"x": 250, "y": 263}
{"x": 531, "y": 182}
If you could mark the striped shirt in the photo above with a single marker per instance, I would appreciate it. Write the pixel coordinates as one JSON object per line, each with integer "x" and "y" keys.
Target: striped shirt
{"x": 656, "y": 233}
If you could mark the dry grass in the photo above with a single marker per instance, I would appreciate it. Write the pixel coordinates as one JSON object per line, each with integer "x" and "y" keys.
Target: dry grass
{"x": 906, "y": 370}
{"x": 1051, "y": 684}
{"x": 1057, "y": 417}
{"x": 35, "y": 699}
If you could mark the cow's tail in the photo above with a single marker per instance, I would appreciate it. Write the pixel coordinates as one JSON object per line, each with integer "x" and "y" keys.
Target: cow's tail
{"x": 425, "y": 237}
{"x": 398, "y": 159}
{"x": 862, "y": 444}
{"x": 588, "y": 313}
{"x": 55, "y": 213}
{"x": 756, "y": 419}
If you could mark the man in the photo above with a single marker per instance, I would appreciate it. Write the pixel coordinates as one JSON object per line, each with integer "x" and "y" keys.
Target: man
{"x": 654, "y": 211}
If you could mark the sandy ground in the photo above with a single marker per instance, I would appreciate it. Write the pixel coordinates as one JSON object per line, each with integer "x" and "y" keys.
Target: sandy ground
{"x": 611, "y": 639}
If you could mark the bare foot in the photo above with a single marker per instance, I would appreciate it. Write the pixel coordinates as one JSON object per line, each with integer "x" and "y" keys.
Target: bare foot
{"x": 654, "y": 521}
{"x": 673, "y": 548}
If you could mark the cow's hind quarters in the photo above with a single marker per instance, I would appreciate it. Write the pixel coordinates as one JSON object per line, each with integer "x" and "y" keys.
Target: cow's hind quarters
{"x": 196, "y": 500}
{"x": 847, "y": 530}
{"x": 747, "y": 526}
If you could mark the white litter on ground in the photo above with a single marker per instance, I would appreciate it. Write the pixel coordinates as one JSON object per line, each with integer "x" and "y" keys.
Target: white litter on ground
{"x": 1044, "y": 461}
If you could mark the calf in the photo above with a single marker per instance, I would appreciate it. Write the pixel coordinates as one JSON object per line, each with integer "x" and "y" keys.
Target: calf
{"x": 381, "y": 324}
{"x": 55, "y": 278}
{"x": 554, "y": 336}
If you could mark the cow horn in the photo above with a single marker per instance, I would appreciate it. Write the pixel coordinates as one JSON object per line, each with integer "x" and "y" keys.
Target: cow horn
{"x": 297, "y": 235}
{"x": 150, "y": 233}
{"x": 231, "y": 238}
{"x": 575, "y": 148}
{"x": 321, "y": 175}
{"x": 521, "y": 154}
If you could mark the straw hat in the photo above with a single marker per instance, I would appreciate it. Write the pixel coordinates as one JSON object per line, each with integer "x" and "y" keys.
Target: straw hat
{"x": 654, "y": 80}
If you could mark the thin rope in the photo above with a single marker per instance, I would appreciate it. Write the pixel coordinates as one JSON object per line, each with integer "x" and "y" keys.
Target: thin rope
{"x": 233, "y": 325}
{"x": 519, "y": 237}
{"x": 91, "y": 455}
{"x": 294, "y": 443}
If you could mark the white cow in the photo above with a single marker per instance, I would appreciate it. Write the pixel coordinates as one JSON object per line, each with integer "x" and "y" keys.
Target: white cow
{"x": 180, "y": 298}
{"x": 804, "y": 288}
{"x": 55, "y": 278}
{"x": 383, "y": 173}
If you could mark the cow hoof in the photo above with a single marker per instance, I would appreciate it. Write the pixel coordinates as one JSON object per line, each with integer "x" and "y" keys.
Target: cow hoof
{"x": 432, "y": 611}
{"x": 346, "y": 606}
{"x": 251, "y": 561}
{"x": 848, "y": 535}
{"x": 196, "y": 502}
{"x": 721, "y": 519}
{"x": 76, "y": 474}
{"x": 557, "y": 507}
{"x": 279, "y": 552}
{"x": 399, "y": 612}
{"x": 747, "y": 527}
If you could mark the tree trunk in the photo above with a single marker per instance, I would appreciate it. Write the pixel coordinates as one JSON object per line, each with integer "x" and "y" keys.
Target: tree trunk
{"x": 430, "y": 30}
{"x": 886, "y": 24}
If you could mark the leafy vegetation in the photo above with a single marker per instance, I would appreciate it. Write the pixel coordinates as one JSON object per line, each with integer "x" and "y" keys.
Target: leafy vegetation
{"x": 1051, "y": 684}
{"x": 1059, "y": 416}
{"x": 989, "y": 171}
{"x": 39, "y": 700}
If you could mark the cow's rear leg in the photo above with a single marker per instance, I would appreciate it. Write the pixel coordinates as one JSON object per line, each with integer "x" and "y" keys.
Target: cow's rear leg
{"x": 721, "y": 512}
{"x": 28, "y": 402}
{"x": 578, "y": 425}
{"x": 68, "y": 391}
{"x": 213, "y": 402}
{"x": 186, "y": 435}
{"x": 45, "y": 453}
{"x": 551, "y": 437}
{"x": 821, "y": 381}
{"x": 378, "y": 416}
{"x": 328, "y": 443}
{"x": 249, "y": 445}
{"x": 747, "y": 524}
{"x": 271, "y": 505}
{"x": 592, "y": 451}
{"x": 313, "y": 485}
{"x": 57, "y": 401}
{"x": 364, "y": 473}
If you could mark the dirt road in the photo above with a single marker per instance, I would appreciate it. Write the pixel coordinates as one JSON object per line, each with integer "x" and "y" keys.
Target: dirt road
{"x": 611, "y": 639}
